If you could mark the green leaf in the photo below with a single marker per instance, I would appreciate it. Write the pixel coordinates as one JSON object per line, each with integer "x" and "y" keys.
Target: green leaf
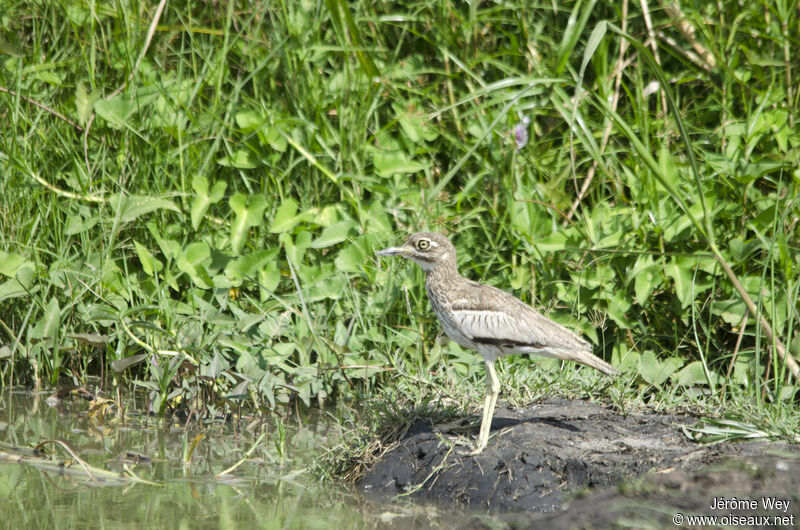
{"x": 123, "y": 364}
{"x": 241, "y": 159}
{"x": 10, "y": 263}
{"x": 8, "y": 48}
{"x": 388, "y": 163}
{"x": 285, "y": 218}
{"x": 295, "y": 249}
{"x": 551, "y": 243}
{"x": 150, "y": 264}
{"x": 20, "y": 272}
{"x": 617, "y": 308}
{"x": 333, "y": 234}
{"x": 272, "y": 136}
{"x": 248, "y": 265}
{"x": 693, "y": 374}
{"x": 268, "y": 278}
{"x": 414, "y": 123}
{"x": 646, "y": 277}
{"x": 351, "y": 258}
{"x": 249, "y": 213}
{"x": 732, "y": 311}
{"x": 331, "y": 286}
{"x": 118, "y": 110}
{"x": 193, "y": 260}
{"x": 128, "y": 208}
{"x": 375, "y": 220}
{"x": 249, "y": 120}
{"x": 680, "y": 270}
{"x": 572, "y": 33}
{"x": 115, "y": 111}
{"x": 205, "y": 198}
{"x": 77, "y": 224}
{"x": 47, "y": 327}
{"x": 84, "y": 102}
{"x": 654, "y": 371}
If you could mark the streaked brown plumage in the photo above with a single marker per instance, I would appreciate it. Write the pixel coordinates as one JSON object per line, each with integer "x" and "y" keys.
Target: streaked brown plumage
{"x": 486, "y": 319}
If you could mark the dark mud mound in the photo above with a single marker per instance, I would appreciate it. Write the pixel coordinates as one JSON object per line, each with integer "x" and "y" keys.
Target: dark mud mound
{"x": 540, "y": 456}
{"x": 743, "y": 492}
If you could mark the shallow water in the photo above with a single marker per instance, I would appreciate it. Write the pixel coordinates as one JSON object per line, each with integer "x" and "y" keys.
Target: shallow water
{"x": 105, "y": 473}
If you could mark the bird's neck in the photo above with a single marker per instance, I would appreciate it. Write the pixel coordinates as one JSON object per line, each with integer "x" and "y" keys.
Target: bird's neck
{"x": 442, "y": 274}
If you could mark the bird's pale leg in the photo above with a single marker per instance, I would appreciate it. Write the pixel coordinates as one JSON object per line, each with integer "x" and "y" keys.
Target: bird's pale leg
{"x": 492, "y": 391}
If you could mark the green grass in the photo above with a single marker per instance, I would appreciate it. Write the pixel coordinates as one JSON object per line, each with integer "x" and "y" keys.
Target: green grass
{"x": 197, "y": 211}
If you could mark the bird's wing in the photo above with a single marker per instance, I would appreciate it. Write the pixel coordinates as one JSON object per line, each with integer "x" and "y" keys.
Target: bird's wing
{"x": 490, "y": 316}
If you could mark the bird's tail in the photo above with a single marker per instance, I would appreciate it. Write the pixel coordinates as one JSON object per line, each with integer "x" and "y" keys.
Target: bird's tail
{"x": 589, "y": 359}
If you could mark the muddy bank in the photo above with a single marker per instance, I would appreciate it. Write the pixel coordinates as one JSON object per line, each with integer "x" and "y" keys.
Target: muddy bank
{"x": 743, "y": 491}
{"x": 540, "y": 457}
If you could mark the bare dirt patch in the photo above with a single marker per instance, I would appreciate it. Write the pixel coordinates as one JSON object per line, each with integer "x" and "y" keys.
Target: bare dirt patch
{"x": 561, "y": 454}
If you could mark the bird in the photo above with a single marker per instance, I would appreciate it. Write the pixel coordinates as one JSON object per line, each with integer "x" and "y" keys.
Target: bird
{"x": 487, "y": 319}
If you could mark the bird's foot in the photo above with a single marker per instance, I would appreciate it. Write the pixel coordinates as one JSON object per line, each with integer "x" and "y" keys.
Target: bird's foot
{"x": 474, "y": 451}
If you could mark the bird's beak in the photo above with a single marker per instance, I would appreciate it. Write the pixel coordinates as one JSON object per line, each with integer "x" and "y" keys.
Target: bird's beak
{"x": 392, "y": 251}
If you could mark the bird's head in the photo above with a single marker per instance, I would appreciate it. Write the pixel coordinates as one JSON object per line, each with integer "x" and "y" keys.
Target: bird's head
{"x": 427, "y": 249}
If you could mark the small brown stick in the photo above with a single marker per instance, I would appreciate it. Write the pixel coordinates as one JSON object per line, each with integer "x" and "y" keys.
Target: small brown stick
{"x": 78, "y": 459}
{"x": 674, "y": 11}
{"x": 41, "y": 106}
{"x": 652, "y": 36}
{"x": 742, "y": 327}
{"x": 785, "y": 356}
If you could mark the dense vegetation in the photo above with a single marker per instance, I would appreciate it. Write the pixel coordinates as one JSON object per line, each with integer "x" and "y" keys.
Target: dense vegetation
{"x": 203, "y": 188}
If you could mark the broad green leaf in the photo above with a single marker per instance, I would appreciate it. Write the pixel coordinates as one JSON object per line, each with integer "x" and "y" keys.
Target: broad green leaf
{"x": 123, "y": 364}
{"x": 681, "y": 273}
{"x": 668, "y": 168}
{"x": 128, "y": 208}
{"x": 333, "y": 234}
{"x": 732, "y": 311}
{"x": 285, "y": 218}
{"x": 598, "y": 276}
{"x": 414, "y": 123}
{"x": 351, "y": 258}
{"x": 84, "y": 102}
{"x": 118, "y": 110}
{"x": 115, "y": 111}
{"x": 47, "y": 327}
{"x": 555, "y": 241}
{"x": 205, "y": 198}
{"x": 21, "y": 274}
{"x": 331, "y": 286}
{"x": 295, "y": 248}
{"x": 655, "y": 371}
{"x": 249, "y": 120}
{"x": 268, "y": 278}
{"x": 8, "y": 48}
{"x": 241, "y": 159}
{"x": 617, "y": 308}
{"x": 77, "y": 224}
{"x": 10, "y": 263}
{"x": 272, "y": 136}
{"x": 193, "y": 261}
{"x": 248, "y": 265}
{"x": 375, "y": 220}
{"x": 646, "y": 278}
{"x": 388, "y": 163}
{"x": 249, "y": 213}
{"x": 150, "y": 264}
{"x": 693, "y": 374}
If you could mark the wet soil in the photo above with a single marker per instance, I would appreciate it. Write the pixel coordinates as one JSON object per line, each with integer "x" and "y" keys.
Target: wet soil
{"x": 580, "y": 464}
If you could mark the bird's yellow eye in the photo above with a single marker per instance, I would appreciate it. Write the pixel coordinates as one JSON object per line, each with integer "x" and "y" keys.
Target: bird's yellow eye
{"x": 423, "y": 244}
